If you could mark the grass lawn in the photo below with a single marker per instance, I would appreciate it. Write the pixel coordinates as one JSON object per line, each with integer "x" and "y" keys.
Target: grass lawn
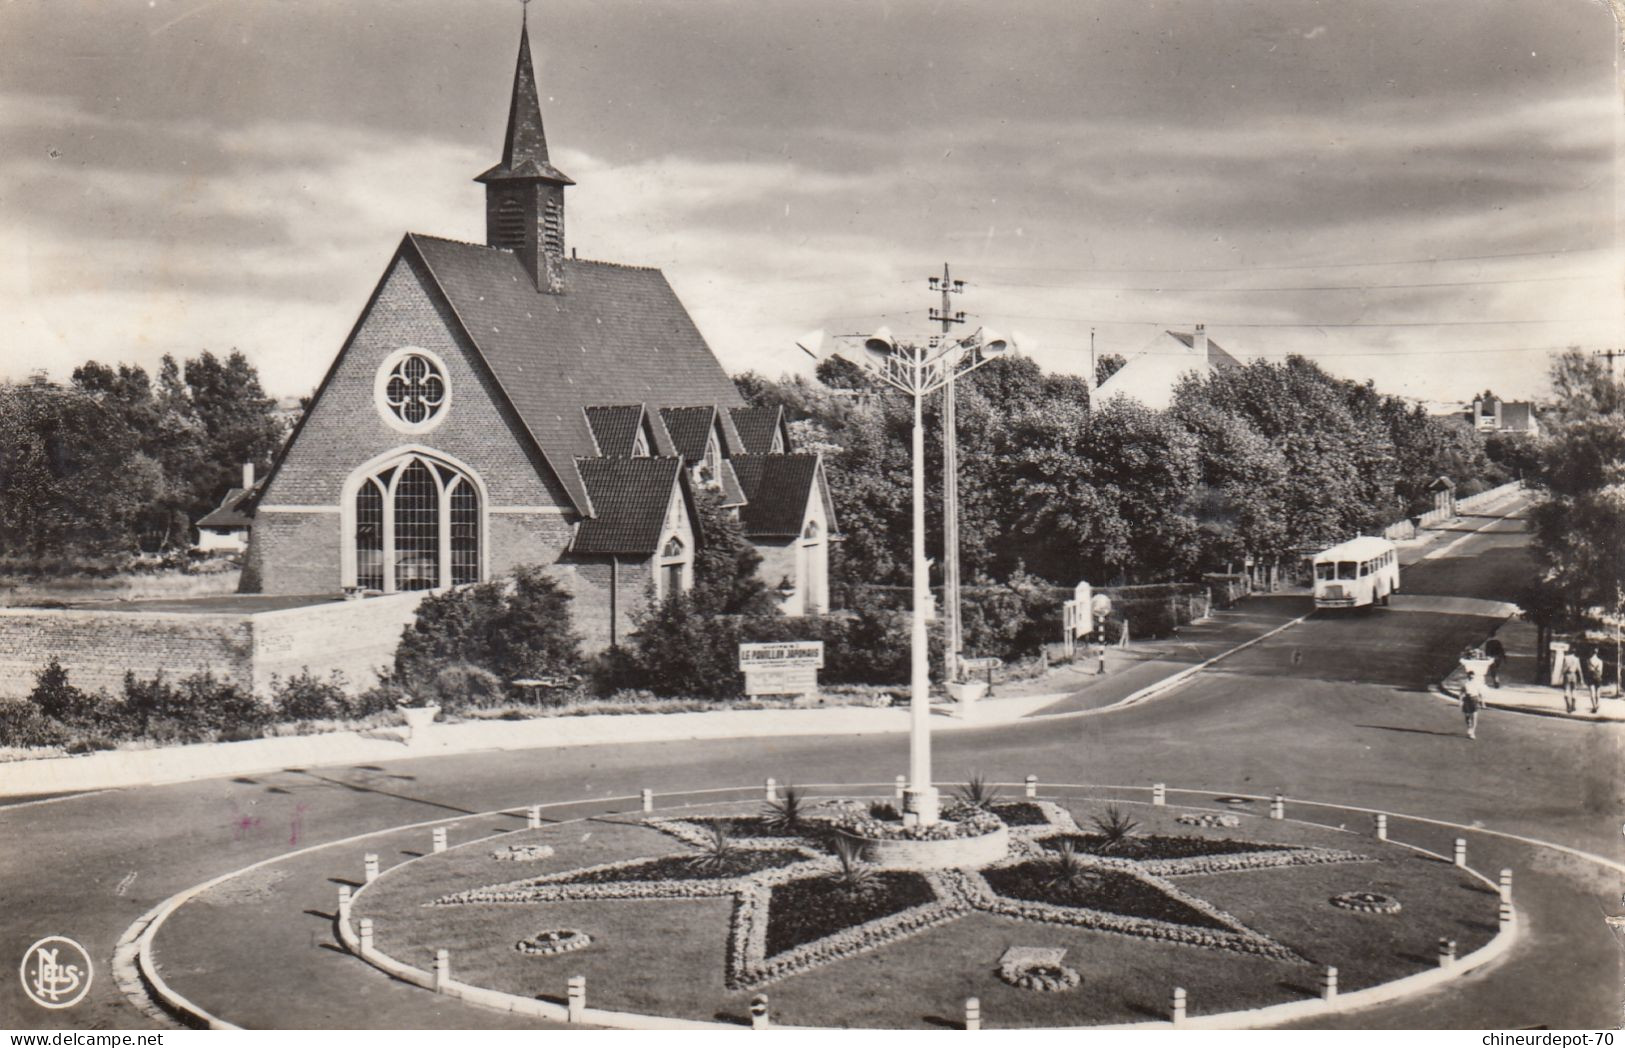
{"x": 668, "y": 956}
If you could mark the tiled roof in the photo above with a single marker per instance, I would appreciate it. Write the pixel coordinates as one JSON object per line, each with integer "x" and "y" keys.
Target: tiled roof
{"x": 690, "y": 428}
{"x": 233, "y": 511}
{"x": 777, "y": 487}
{"x": 615, "y": 428}
{"x": 757, "y": 427}
{"x": 617, "y": 335}
{"x": 631, "y": 496}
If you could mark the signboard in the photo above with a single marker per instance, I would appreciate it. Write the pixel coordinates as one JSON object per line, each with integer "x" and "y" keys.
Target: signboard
{"x": 800, "y": 654}
{"x": 782, "y": 667}
{"x": 989, "y": 663}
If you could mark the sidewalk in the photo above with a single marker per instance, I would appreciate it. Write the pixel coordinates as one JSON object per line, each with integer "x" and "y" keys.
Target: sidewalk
{"x": 1520, "y": 694}
{"x": 1066, "y": 690}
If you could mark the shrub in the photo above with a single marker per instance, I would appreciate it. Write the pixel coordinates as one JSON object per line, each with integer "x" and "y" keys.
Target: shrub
{"x": 978, "y": 793}
{"x": 22, "y": 724}
{"x": 461, "y": 686}
{"x": 307, "y": 697}
{"x": 1114, "y": 827}
{"x": 514, "y": 628}
{"x": 785, "y": 815}
{"x": 678, "y": 650}
{"x": 194, "y": 709}
{"x": 60, "y": 700}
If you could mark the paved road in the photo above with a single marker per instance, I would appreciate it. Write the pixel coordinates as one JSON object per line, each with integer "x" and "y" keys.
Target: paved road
{"x": 1332, "y": 709}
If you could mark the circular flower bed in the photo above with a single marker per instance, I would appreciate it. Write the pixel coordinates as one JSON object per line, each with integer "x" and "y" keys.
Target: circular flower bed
{"x": 558, "y": 940}
{"x": 1208, "y": 818}
{"x": 1040, "y": 976}
{"x": 1366, "y": 902}
{"x": 523, "y": 852}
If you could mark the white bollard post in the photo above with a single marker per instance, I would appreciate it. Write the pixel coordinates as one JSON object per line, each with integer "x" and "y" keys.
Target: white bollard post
{"x": 576, "y": 997}
{"x": 1382, "y": 827}
{"x": 1506, "y": 885}
{"x": 1461, "y": 852}
{"x": 1159, "y": 794}
{"x": 442, "y": 970}
{"x": 1447, "y": 952}
{"x": 533, "y": 817}
{"x": 648, "y": 800}
{"x": 1278, "y": 807}
{"x": 758, "y": 1011}
{"x": 1176, "y": 1010}
{"x": 973, "y": 1013}
{"x": 344, "y": 904}
{"x": 440, "y": 839}
{"x": 366, "y": 935}
{"x": 1032, "y": 785}
{"x": 1507, "y": 914}
{"x": 772, "y": 790}
{"x": 369, "y": 864}
{"x": 902, "y": 784}
{"x": 1328, "y": 984}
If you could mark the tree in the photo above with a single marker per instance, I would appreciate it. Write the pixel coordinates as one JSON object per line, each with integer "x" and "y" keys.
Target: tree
{"x": 1581, "y": 471}
{"x": 1108, "y": 365}
{"x": 725, "y": 564}
{"x": 72, "y": 479}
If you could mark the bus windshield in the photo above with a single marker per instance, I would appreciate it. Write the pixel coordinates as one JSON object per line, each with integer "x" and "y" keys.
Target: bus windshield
{"x": 1326, "y": 572}
{"x": 1348, "y": 569}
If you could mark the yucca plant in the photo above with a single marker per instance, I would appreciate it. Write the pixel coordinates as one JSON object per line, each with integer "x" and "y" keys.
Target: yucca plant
{"x": 717, "y": 850}
{"x": 885, "y": 811}
{"x": 1115, "y": 828}
{"x": 785, "y": 814}
{"x": 1069, "y": 874}
{"x": 978, "y": 793}
{"x": 855, "y": 877}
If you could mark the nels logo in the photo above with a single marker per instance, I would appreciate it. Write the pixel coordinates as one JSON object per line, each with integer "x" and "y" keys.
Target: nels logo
{"x": 56, "y": 972}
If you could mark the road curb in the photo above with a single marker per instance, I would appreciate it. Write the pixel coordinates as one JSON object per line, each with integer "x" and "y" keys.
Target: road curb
{"x": 1504, "y": 939}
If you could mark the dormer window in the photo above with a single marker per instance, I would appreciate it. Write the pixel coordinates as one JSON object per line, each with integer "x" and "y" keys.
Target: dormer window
{"x": 711, "y": 465}
{"x": 640, "y": 445}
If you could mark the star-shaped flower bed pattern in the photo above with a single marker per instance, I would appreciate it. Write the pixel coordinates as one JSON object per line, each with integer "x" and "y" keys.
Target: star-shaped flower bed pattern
{"x": 797, "y": 906}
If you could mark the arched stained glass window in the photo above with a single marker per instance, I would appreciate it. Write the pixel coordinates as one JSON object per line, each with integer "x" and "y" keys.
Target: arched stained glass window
{"x": 417, "y": 526}
{"x": 465, "y": 533}
{"x": 369, "y": 536}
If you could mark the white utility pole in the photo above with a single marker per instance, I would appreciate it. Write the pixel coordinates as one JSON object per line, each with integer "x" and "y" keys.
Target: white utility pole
{"x": 919, "y": 371}
{"x": 953, "y": 636}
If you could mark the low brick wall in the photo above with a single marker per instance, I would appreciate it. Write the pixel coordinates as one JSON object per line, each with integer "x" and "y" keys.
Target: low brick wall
{"x": 97, "y": 647}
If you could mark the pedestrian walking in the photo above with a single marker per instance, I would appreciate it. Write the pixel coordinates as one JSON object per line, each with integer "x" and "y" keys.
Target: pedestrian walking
{"x": 1472, "y": 699}
{"x": 1498, "y": 657}
{"x": 1573, "y": 673}
{"x": 1593, "y": 674}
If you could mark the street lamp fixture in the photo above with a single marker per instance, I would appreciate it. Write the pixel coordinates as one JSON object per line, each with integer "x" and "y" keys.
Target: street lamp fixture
{"x": 918, "y": 370}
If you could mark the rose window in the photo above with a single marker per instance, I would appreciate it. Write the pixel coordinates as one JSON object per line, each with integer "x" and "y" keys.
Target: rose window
{"x": 415, "y": 390}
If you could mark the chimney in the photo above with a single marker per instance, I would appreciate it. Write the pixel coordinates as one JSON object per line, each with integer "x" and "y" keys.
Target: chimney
{"x": 248, "y": 475}
{"x": 1199, "y": 341}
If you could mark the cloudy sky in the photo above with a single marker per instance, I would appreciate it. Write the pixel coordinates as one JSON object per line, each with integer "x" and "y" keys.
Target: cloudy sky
{"x": 1419, "y": 193}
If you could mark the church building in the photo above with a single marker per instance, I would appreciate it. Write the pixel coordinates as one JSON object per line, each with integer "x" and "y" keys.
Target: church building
{"x": 507, "y": 403}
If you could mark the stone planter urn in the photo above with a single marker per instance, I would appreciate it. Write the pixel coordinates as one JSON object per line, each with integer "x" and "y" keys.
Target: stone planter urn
{"x": 418, "y": 719}
{"x": 966, "y": 693}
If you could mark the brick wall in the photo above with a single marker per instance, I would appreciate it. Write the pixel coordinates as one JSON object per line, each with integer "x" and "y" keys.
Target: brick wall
{"x": 588, "y": 581}
{"x": 293, "y": 553}
{"x": 97, "y": 647}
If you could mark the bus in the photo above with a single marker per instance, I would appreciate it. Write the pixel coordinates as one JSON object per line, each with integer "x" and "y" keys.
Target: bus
{"x": 1357, "y": 573}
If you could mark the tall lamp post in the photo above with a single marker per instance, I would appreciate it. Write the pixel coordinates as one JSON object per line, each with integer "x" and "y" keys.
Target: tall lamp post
{"x": 918, "y": 371}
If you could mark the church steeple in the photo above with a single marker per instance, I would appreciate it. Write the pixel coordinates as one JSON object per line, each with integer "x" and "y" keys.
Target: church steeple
{"x": 524, "y": 195}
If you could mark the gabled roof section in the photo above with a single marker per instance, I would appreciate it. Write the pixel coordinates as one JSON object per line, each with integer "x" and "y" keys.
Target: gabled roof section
{"x": 758, "y": 426}
{"x": 778, "y": 488}
{"x": 690, "y": 428}
{"x": 234, "y": 511}
{"x": 524, "y": 150}
{"x": 618, "y": 335}
{"x": 615, "y": 428}
{"x": 631, "y": 496}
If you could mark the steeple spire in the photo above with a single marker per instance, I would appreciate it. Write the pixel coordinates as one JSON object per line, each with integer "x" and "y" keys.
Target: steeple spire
{"x": 524, "y": 195}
